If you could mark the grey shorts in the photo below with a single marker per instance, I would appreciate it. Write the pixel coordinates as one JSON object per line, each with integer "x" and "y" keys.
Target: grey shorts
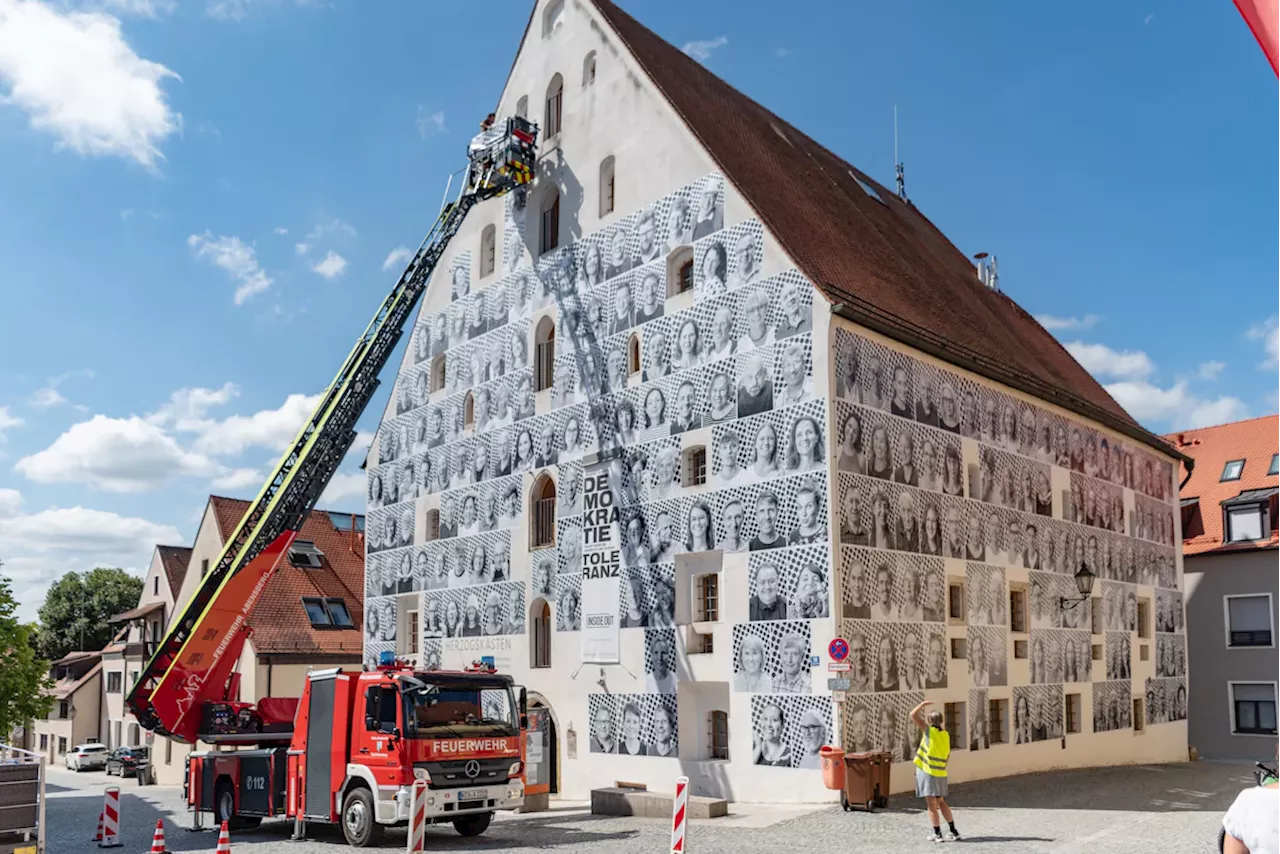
{"x": 929, "y": 786}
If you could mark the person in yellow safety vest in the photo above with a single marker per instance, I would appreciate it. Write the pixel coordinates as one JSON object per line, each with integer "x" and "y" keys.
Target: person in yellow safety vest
{"x": 931, "y": 769}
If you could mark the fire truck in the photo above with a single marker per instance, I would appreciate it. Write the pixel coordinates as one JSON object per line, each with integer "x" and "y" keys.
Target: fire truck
{"x": 348, "y": 750}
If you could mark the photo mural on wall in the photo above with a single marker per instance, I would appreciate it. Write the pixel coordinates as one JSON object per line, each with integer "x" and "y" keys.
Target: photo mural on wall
{"x": 907, "y": 503}
{"x": 736, "y": 358}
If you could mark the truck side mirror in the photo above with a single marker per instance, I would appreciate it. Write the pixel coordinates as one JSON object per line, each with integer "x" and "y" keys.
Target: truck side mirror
{"x": 524, "y": 701}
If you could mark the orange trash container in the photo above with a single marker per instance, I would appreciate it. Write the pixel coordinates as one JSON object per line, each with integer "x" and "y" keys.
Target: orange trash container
{"x": 866, "y": 781}
{"x": 832, "y": 767}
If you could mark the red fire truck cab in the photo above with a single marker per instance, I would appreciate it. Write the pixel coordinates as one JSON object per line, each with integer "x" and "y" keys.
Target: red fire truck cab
{"x": 358, "y": 742}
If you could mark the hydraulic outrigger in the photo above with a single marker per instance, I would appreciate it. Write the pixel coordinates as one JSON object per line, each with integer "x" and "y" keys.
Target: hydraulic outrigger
{"x": 193, "y": 662}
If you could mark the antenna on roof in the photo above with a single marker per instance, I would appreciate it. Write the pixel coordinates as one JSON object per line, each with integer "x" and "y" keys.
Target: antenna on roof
{"x": 898, "y": 165}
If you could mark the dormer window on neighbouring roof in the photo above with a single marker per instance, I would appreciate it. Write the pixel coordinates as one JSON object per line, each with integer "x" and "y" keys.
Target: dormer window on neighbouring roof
{"x": 1232, "y": 470}
{"x": 304, "y": 554}
{"x": 327, "y": 613}
{"x": 1274, "y": 468}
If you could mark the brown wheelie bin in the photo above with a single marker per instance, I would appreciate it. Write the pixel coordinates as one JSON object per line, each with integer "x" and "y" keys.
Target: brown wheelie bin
{"x": 866, "y": 781}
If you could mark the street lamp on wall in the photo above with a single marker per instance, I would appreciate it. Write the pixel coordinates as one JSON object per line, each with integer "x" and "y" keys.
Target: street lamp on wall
{"x": 1084, "y": 586}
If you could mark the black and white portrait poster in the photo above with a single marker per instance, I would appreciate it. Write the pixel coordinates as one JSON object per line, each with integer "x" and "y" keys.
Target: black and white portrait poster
{"x": 601, "y": 563}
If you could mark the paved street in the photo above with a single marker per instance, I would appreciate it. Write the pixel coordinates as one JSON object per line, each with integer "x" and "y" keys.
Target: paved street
{"x": 1170, "y": 809}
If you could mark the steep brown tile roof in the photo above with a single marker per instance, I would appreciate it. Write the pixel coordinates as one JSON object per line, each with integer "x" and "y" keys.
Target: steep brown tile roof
{"x": 175, "y": 560}
{"x": 1253, "y": 441}
{"x": 279, "y": 622}
{"x": 879, "y": 259}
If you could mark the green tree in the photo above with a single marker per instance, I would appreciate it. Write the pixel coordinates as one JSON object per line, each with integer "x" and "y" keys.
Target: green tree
{"x": 75, "y": 611}
{"x": 24, "y": 676}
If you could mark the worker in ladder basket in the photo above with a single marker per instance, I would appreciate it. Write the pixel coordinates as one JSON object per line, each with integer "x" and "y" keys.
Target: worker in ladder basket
{"x": 480, "y": 152}
{"x": 931, "y": 769}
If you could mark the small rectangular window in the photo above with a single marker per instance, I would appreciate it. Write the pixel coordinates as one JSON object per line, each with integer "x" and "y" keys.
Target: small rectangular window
{"x": 1017, "y": 610}
{"x": 997, "y": 718}
{"x": 1274, "y": 468}
{"x": 1144, "y": 618}
{"x": 1073, "y": 708}
{"x": 316, "y": 612}
{"x": 338, "y": 614}
{"x": 1139, "y": 716}
{"x": 155, "y": 585}
{"x": 955, "y": 601}
{"x": 1095, "y": 652}
{"x": 1019, "y": 649}
{"x": 543, "y": 529}
{"x": 695, "y": 466}
{"x": 1232, "y": 470}
{"x": 64, "y": 709}
{"x": 62, "y": 745}
{"x": 958, "y": 648}
{"x": 44, "y": 741}
{"x": 1244, "y": 524}
{"x": 702, "y": 644}
{"x": 953, "y": 717}
{"x": 685, "y": 280}
{"x": 1095, "y": 615}
{"x": 709, "y": 597}
{"x": 549, "y": 237}
{"x": 1249, "y": 621}
{"x": 304, "y": 554}
{"x": 412, "y": 639}
{"x": 204, "y": 567}
{"x": 718, "y": 737}
{"x": 1254, "y": 708}
{"x": 1144, "y": 652}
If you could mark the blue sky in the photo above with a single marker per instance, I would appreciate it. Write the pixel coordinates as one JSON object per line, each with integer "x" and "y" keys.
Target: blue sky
{"x": 197, "y": 199}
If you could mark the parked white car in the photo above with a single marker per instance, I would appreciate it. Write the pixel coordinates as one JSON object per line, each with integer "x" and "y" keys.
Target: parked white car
{"x": 88, "y": 757}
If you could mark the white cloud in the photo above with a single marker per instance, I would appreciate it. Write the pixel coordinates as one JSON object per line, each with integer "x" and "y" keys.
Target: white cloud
{"x": 1147, "y": 20}
{"x": 362, "y": 441}
{"x": 331, "y": 266}
{"x": 268, "y": 428}
{"x": 232, "y": 255}
{"x": 1175, "y": 406}
{"x": 10, "y": 501}
{"x": 240, "y": 478}
{"x": 1101, "y": 360}
{"x": 1057, "y": 324}
{"x": 344, "y": 485}
{"x": 701, "y": 49}
{"x": 77, "y": 79}
{"x": 187, "y": 406}
{"x": 8, "y": 421}
{"x": 301, "y": 248}
{"x": 782, "y": 52}
{"x": 330, "y": 228}
{"x": 141, "y": 8}
{"x": 227, "y": 10}
{"x": 397, "y": 258}
{"x": 46, "y": 398}
{"x": 281, "y": 230}
{"x": 429, "y": 122}
{"x": 1269, "y": 334}
{"x": 114, "y": 454}
{"x": 1210, "y": 370}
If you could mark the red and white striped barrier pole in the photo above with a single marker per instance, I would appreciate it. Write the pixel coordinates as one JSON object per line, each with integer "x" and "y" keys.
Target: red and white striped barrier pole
{"x": 417, "y": 818}
{"x": 111, "y": 818}
{"x": 679, "y": 815}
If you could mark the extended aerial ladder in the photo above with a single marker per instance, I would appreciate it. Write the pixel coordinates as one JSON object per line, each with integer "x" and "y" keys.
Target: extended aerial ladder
{"x": 193, "y": 663}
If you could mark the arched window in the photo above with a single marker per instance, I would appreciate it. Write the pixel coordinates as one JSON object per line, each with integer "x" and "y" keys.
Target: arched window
{"x": 539, "y": 633}
{"x": 549, "y": 233}
{"x": 488, "y": 250}
{"x": 633, "y": 354}
{"x": 433, "y": 525}
{"x": 542, "y": 513}
{"x": 589, "y": 69}
{"x": 680, "y": 270}
{"x": 608, "y": 198}
{"x": 555, "y": 107}
{"x": 437, "y": 372}
{"x": 522, "y": 107}
{"x": 468, "y": 412}
{"x": 544, "y": 360}
{"x": 718, "y": 735}
{"x": 552, "y": 17}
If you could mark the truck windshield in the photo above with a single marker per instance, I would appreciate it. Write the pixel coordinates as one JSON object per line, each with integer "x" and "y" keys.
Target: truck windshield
{"x": 461, "y": 708}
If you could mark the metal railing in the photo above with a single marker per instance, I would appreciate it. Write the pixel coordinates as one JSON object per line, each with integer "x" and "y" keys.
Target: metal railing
{"x": 22, "y": 798}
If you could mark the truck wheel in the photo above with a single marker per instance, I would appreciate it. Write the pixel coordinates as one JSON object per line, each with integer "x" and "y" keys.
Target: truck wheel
{"x": 473, "y": 825}
{"x": 360, "y": 820}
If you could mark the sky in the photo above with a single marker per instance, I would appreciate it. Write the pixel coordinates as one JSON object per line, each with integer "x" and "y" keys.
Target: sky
{"x": 202, "y": 202}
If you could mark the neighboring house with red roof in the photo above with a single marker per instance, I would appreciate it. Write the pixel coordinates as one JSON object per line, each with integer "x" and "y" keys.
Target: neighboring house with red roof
{"x": 141, "y": 628}
{"x": 704, "y": 331}
{"x": 1229, "y": 530}
{"x": 310, "y": 614}
{"x": 74, "y": 718}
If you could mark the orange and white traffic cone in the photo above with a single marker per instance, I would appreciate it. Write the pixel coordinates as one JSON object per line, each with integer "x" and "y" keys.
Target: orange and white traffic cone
{"x": 224, "y": 840}
{"x": 157, "y": 841}
{"x": 97, "y": 837}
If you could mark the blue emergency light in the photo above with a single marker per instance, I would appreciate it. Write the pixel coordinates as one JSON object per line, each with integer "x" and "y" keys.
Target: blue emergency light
{"x": 386, "y": 658}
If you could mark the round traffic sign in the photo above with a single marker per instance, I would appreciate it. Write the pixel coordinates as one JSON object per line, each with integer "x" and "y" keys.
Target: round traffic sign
{"x": 838, "y": 649}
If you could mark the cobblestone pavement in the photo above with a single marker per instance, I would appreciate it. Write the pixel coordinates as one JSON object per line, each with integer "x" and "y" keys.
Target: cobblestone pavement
{"x": 1166, "y": 809}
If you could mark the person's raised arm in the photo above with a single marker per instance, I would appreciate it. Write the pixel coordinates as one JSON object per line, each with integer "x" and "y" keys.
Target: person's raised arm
{"x": 1231, "y": 845}
{"x": 918, "y": 717}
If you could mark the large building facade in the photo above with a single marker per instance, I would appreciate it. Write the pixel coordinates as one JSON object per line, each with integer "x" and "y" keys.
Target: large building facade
{"x": 1229, "y": 546}
{"x": 707, "y": 399}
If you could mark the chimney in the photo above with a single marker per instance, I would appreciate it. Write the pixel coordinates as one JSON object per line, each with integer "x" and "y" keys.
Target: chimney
{"x": 987, "y": 271}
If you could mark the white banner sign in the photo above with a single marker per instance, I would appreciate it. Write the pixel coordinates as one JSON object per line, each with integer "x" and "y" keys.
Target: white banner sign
{"x": 601, "y": 562}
